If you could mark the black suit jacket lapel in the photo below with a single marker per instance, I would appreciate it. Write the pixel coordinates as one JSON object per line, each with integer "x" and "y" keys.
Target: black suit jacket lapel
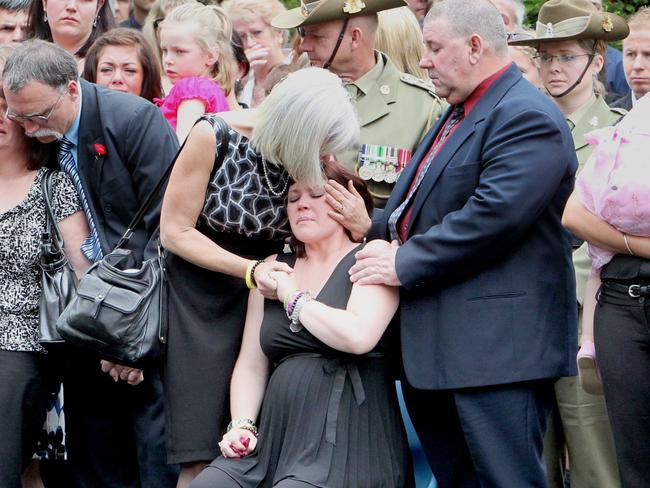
{"x": 88, "y": 160}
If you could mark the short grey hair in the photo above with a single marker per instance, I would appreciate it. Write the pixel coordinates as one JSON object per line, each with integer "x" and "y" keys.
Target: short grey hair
{"x": 39, "y": 61}
{"x": 307, "y": 115}
{"x": 15, "y": 5}
{"x": 467, "y": 17}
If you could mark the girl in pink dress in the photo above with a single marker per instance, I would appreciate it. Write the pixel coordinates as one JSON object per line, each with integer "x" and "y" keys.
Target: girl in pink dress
{"x": 615, "y": 186}
{"x": 198, "y": 60}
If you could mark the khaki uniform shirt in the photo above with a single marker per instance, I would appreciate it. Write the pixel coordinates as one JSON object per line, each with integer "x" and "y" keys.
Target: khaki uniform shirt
{"x": 592, "y": 115}
{"x": 395, "y": 111}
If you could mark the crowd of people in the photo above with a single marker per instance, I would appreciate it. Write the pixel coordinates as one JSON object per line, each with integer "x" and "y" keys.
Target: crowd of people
{"x": 364, "y": 194}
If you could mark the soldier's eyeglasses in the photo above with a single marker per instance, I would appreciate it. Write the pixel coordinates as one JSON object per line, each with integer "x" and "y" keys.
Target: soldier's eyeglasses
{"x": 562, "y": 58}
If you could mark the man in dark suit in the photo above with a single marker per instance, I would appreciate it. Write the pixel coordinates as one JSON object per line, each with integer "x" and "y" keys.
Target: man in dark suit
{"x": 488, "y": 316}
{"x": 636, "y": 62}
{"x": 115, "y": 147}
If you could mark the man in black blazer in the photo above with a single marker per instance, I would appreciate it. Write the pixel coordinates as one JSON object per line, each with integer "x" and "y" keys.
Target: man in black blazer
{"x": 488, "y": 315}
{"x": 636, "y": 62}
{"x": 115, "y": 147}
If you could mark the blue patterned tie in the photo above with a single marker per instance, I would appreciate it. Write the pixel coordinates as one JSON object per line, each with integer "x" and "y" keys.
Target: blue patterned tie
{"x": 90, "y": 247}
{"x": 455, "y": 117}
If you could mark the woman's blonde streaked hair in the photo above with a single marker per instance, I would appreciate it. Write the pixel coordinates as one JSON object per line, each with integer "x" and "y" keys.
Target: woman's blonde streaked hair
{"x": 307, "y": 115}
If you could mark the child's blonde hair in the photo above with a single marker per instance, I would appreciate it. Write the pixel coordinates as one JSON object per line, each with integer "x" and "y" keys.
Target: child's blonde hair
{"x": 214, "y": 33}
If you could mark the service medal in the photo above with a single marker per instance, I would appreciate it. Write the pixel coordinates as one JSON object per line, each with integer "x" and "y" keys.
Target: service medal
{"x": 391, "y": 165}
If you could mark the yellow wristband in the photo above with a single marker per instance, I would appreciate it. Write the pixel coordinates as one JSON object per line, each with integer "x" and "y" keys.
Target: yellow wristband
{"x": 249, "y": 275}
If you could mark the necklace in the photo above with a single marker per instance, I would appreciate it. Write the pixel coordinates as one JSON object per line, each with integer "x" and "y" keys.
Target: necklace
{"x": 268, "y": 181}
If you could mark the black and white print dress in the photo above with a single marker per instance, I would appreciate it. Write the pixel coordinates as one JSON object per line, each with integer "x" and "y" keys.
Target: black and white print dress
{"x": 21, "y": 228}
{"x": 20, "y": 286}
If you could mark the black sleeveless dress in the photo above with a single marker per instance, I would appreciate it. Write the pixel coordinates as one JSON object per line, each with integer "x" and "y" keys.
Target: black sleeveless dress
{"x": 206, "y": 312}
{"x": 328, "y": 418}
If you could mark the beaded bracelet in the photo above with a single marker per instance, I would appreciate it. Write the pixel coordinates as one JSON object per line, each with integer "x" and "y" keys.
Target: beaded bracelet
{"x": 253, "y": 268}
{"x": 295, "y": 325}
{"x": 243, "y": 423}
{"x": 288, "y": 297}
{"x": 291, "y": 303}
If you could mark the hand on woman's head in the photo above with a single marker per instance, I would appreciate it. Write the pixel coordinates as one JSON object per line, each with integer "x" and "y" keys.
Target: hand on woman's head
{"x": 348, "y": 209}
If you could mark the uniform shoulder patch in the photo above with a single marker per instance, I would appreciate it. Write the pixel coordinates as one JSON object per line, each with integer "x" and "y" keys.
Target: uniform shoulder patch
{"x": 417, "y": 82}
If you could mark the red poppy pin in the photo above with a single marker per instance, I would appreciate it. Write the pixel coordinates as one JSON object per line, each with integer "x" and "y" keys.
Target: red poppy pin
{"x": 100, "y": 150}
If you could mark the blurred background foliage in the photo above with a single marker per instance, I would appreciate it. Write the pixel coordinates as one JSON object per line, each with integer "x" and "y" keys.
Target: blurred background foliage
{"x": 624, "y": 8}
{"x": 290, "y": 3}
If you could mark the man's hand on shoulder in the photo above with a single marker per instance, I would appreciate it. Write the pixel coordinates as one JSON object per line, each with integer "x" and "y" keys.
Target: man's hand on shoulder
{"x": 376, "y": 264}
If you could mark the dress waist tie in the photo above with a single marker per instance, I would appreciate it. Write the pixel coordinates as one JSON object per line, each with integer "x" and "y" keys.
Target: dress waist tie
{"x": 341, "y": 367}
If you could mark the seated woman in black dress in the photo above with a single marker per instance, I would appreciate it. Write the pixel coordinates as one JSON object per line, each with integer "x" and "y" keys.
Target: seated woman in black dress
{"x": 313, "y": 367}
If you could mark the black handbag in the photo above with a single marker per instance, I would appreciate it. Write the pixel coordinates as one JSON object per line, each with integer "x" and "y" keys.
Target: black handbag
{"x": 120, "y": 309}
{"x": 58, "y": 281}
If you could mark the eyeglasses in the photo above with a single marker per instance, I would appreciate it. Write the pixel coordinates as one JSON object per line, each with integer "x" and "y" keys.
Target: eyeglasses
{"x": 38, "y": 118}
{"x": 562, "y": 58}
{"x": 251, "y": 36}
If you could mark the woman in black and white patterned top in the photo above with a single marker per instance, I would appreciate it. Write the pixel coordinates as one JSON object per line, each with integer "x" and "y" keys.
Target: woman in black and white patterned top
{"x": 23, "y": 371}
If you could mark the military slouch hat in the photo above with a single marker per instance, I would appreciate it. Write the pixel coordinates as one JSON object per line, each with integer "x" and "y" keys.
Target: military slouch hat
{"x": 563, "y": 20}
{"x": 317, "y": 11}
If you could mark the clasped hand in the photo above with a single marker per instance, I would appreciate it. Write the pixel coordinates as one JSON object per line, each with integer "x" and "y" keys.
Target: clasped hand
{"x": 237, "y": 443}
{"x": 133, "y": 376}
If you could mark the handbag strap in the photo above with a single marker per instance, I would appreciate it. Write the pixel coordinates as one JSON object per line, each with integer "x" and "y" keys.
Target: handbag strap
{"x": 223, "y": 133}
{"x": 50, "y": 220}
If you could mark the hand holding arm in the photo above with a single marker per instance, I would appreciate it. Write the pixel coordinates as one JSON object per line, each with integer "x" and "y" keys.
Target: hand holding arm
{"x": 183, "y": 202}
{"x": 355, "y": 329}
{"x": 266, "y": 285}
